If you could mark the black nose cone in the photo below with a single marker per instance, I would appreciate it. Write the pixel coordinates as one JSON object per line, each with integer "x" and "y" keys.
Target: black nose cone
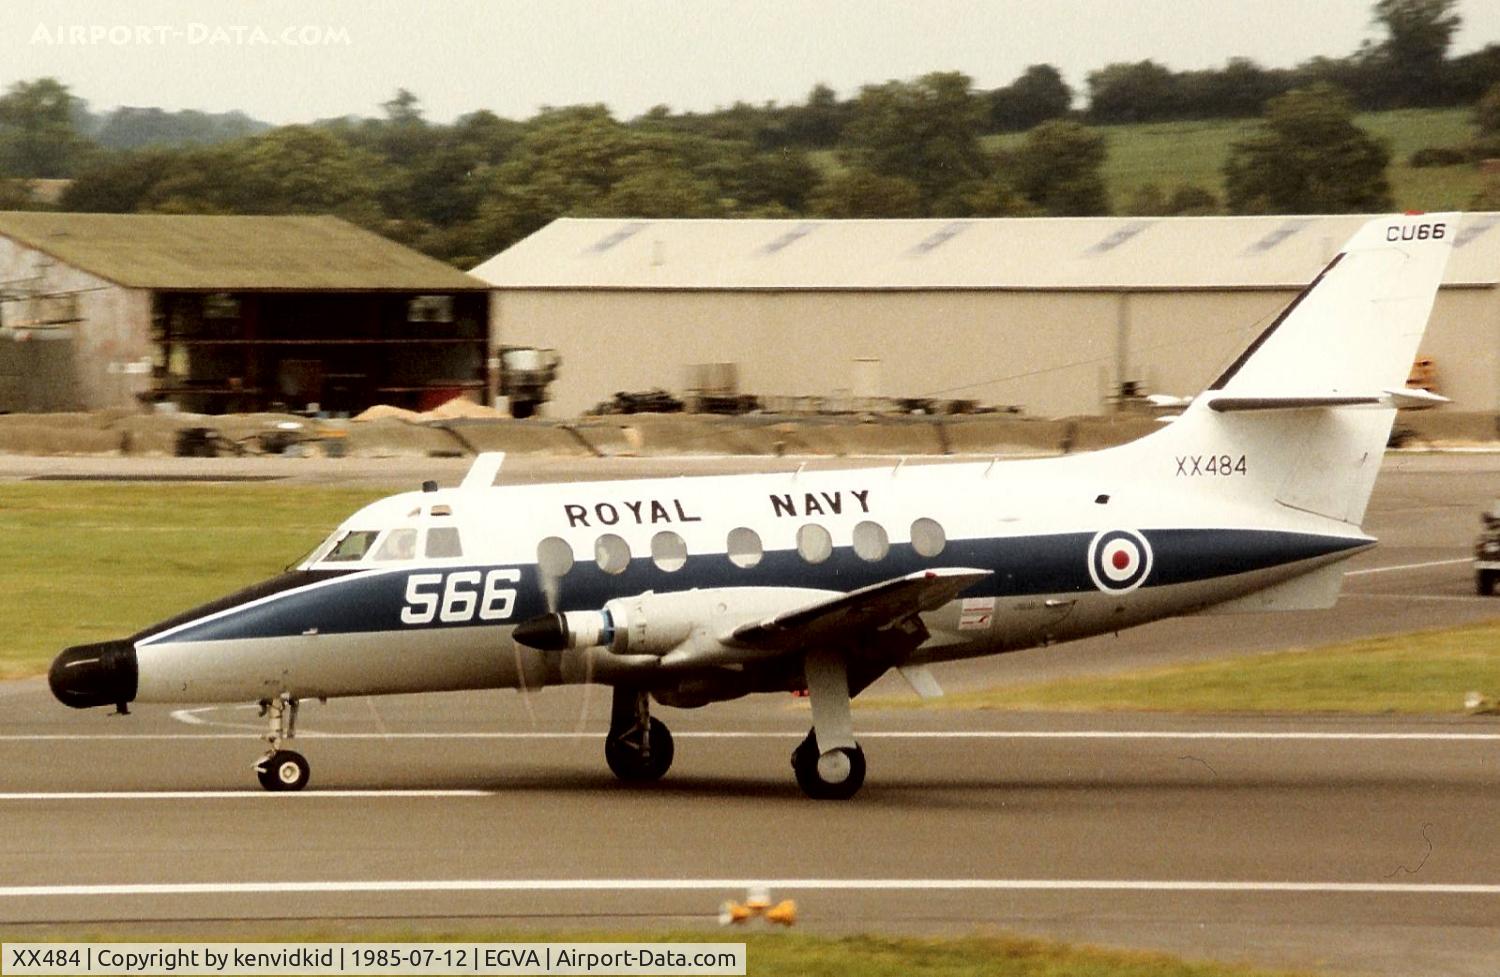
{"x": 103, "y": 674}
{"x": 545, "y": 633}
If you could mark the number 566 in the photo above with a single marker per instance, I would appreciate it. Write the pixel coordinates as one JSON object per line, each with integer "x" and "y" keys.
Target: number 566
{"x": 456, "y": 597}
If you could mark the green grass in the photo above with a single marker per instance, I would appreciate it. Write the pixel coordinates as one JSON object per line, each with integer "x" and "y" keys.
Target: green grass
{"x": 773, "y": 953}
{"x": 1171, "y": 154}
{"x": 1424, "y": 672}
{"x": 1168, "y": 154}
{"x": 871, "y": 956}
{"x": 89, "y": 562}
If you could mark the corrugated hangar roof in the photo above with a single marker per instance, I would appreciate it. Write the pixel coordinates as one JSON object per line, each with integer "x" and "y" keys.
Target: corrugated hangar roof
{"x": 994, "y": 253}
{"x": 213, "y": 253}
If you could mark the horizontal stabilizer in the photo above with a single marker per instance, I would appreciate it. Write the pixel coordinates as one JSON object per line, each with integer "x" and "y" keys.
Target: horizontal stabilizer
{"x": 1415, "y": 398}
{"x": 1405, "y": 398}
{"x": 870, "y": 608}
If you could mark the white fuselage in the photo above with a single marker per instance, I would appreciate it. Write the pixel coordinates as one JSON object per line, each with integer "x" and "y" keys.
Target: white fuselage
{"x": 1074, "y": 546}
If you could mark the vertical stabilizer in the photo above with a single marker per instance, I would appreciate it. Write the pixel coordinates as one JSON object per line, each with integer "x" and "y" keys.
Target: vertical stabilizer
{"x": 1309, "y": 405}
{"x": 1355, "y": 329}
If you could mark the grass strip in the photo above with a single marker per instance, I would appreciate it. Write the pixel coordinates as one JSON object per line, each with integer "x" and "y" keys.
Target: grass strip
{"x": 99, "y": 560}
{"x": 776, "y": 952}
{"x": 1421, "y": 672}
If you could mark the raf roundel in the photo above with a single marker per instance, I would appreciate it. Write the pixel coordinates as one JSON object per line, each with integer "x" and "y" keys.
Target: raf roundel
{"x": 1119, "y": 560}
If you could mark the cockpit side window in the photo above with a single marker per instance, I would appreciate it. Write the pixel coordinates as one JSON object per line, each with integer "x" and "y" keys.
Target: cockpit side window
{"x": 399, "y": 544}
{"x": 352, "y": 546}
{"x": 443, "y": 543}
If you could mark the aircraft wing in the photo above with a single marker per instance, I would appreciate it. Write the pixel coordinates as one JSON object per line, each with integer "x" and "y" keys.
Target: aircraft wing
{"x": 874, "y": 608}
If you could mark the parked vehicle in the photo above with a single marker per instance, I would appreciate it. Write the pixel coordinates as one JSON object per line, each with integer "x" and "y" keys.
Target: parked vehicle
{"x": 1487, "y": 552}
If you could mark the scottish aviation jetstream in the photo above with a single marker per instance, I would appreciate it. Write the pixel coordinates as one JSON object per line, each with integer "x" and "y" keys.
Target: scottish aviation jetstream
{"x": 698, "y": 590}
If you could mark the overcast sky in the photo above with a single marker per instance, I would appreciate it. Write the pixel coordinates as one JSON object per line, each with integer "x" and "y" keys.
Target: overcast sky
{"x": 298, "y": 60}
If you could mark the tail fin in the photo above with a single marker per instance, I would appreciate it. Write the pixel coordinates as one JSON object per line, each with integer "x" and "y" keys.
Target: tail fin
{"x": 1355, "y": 329}
{"x": 1304, "y": 413}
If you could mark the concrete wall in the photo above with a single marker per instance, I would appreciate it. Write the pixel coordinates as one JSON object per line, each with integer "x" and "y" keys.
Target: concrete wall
{"x": 110, "y": 342}
{"x": 952, "y": 344}
{"x": 1054, "y": 353}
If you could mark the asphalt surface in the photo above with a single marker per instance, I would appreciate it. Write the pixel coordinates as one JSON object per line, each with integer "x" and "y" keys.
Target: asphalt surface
{"x": 1333, "y": 844}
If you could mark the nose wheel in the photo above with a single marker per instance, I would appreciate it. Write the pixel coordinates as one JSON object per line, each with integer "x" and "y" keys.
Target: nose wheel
{"x": 638, "y": 748}
{"x": 281, "y": 769}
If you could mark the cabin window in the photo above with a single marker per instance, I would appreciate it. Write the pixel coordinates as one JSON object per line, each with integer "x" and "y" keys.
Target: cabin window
{"x": 744, "y": 548}
{"x": 612, "y": 553}
{"x": 927, "y": 537}
{"x": 399, "y": 544}
{"x": 353, "y": 546}
{"x": 871, "y": 542}
{"x": 668, "y": 551}
{"x": 813, "y": 543}
{"x": 443, "y": 543}
{"x": 554, "y": 557}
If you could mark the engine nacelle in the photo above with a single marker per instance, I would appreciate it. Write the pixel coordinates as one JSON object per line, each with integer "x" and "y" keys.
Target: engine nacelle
{"x": 689, "y": 627}
{"x": 655, "y": 624}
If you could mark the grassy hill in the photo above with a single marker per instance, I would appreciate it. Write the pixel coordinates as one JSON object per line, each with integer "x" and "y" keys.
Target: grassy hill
{"x": 1170, "y": 154}
{"x": 1173, "y": 153}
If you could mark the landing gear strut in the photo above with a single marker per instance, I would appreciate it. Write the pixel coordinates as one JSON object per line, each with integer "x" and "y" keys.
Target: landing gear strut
{"x": 638, "y": 748}
{"x": 281, "y": 769}
{"x": 829, "y": 765}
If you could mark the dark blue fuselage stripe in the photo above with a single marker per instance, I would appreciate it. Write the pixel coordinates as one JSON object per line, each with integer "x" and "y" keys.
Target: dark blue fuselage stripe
{"x": 1025, "y": 565}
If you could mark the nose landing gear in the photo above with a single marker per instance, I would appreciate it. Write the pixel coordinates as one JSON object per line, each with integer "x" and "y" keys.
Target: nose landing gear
{"x": 281, "y": 769}
{"x": 638, "y": 748}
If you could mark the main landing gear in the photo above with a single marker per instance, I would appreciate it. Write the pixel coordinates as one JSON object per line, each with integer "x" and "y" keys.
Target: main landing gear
{"x": 829, "y": 765}
{"x": 637, "y": 748}
{"x": 281, "y": 769}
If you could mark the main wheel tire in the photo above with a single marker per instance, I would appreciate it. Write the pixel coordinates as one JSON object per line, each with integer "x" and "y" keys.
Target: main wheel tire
{"x": 1484, "y": 583}
{"x": 631, "y": 764}
{"x": 283, "y": 770}
{"x": 833, "y": 776}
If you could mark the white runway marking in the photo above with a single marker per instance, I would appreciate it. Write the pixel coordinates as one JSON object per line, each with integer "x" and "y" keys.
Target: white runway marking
{"x": 1407, "y": 566}
{"x": 206, "y": 795}
{"x": 740, "y": 885}
{"x": 981, "y": 734}
{"x": 191, "y": 717}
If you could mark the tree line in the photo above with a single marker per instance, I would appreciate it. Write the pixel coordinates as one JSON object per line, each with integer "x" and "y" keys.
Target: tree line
{"x": 919, "y": 148}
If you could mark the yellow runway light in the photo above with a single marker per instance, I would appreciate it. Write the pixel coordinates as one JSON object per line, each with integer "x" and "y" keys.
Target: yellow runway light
{"x": 784, "y": 912}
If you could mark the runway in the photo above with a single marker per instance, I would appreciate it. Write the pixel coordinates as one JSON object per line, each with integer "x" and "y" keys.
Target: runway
{"x": 1351, "y": 845}
{"x": 1356, "y": 845}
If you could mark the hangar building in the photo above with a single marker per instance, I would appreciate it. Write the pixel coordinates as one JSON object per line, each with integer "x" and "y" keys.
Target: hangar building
{"x": 223, "y": 314}
{"x": 1049, "y": 314}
